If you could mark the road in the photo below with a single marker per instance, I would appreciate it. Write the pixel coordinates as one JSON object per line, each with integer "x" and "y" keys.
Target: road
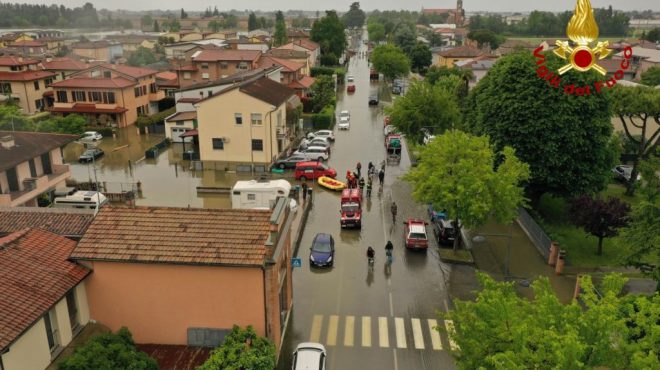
{"x": 369, "y": 320}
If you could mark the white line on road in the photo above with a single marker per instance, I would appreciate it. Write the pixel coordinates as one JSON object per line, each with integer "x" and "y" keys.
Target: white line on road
{"x": 396, "y": 362}
{"x": 332, "y": 330}
{"x": 417, "y": 333}
{"x": 436, "y": 343}
{"x": 349, "y": 329}
{"x": 383, "y": 335}
{"x": 391, "y": 305}
{"x": 400, "y": 332}
{"x": 366, "y": 331}
{"x": 315, "y": 333}
{"x": 450, "y": 331}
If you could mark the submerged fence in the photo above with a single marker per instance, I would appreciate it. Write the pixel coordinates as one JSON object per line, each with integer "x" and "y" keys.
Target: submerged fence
{"x": 540, "y": 239}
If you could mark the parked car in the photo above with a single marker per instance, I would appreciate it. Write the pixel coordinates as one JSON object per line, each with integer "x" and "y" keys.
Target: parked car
{"x": 623, "y": 172}
{"x": 317, "y": 141}
{"x": 90, "y": 155}
{"x": 313, "y": 170}
{"x": 91, "y": 136}
{"x": 290, "y": 162}
{"x": 314, "y": 153}
{"x": 373, "y": 100}
{"x": 350, "y": 78}
{"x": 344, "y": 123}
{"x": 309, "y": 356}
{"x": 322, "y": 133}
{"x": 322, "y": 251}
{"x": 350, "y": 88}
{"x": 415, "y": 234}
{"x": 444, "y": 231}
{"x": 389, "y": 129}
{"x": 345, "y": 114}
{"x": 396, "y": 90}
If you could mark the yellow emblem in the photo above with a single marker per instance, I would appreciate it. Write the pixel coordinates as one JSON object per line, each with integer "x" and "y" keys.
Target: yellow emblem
{"x": 582, "y": 30}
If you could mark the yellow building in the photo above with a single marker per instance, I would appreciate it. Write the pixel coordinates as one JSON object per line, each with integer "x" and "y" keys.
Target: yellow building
{"x": 23, "y": 81}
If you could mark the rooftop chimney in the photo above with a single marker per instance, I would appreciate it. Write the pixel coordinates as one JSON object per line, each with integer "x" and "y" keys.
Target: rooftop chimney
{"x": 7, "y": 142}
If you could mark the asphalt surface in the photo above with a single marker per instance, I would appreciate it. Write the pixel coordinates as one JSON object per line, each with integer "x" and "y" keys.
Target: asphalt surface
{"x": 378, "y": 319}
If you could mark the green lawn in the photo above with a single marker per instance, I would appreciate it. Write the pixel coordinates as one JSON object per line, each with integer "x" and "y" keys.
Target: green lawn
{"x": 580, "y": 246}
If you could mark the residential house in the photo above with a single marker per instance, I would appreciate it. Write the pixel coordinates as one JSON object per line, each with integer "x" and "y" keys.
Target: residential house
{"x": 167, "y": 82}
{"x": 32, "y": 47}
{"x": 31, "y": 165}
{"x": 12, "y": 37}
{"x": 108, "y": 94}
{"x": 98, "y": 50}
{"x": 67, "y": 222}
{"x": 510, "y": 46}
{"x": 248, "y": 44}
{"x": 294, "y": 56}
{"x": 131, "y": 43}
{"x": 53, "y": 44}
{"x": 479, "y": 67}
{"x": 447, "y": 58}
{"x": 186, "y": 276}
{"x": 452, "y": 36}
{"x": 182, "y": 36}
{"x": 246, "y": 125}
{"x": 23, "y": 81}
{"x": 258, "y": 33}
{"x": 214, "y": 64}
{"x": 292, "y": 75}
{"x": 182, "y": 51}
{"x": 295, "y": 34}
{"x": 642, "y": 59}
{"x": 44, "y": 301}
{"x": 63, "y": 67}
{"x": 308, "y": 46}
{"x": 613, "y": 65}
{"x": 221, "y": 35}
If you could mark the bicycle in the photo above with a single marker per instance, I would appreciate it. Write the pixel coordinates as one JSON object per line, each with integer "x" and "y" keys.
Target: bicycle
{"x": 389, "y": 257}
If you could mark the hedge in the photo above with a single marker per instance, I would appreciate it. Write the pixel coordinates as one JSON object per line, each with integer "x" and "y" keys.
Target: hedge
{"x": 143, "y": 121}
{"x": 324, "y": 119}
{"x": 319, "y": 71}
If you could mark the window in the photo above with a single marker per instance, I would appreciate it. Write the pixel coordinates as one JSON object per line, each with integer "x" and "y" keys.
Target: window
{"x": 242, "y": 66}
{"x": 108, "y": 98}
{"x": 279, "y": 118}
{"x": 15, "y": 68}
{"x": 62, "y": 96}
{"x": 144, "y": 90}
{"x": 107, "y": 74}
{"x": 152, "y": 88}
{"x": 96, "y": 73}
{"x": 256, "y": 119}
{"x": 224, "y": 65}
{"x": 218, "y": 144}
{"x": 252, "y": 196}
{"x": 205, "y": 66}
{"x": 5, "y": 88}
{"x": 52, "y": 331}
{"x": 238, "y": 118}
{"x": 140, "y": 110}
{"x": 94, "y": 96}
{"x": 48, "y": 81}
{"x": 186, "y": 75}
{"x": 72, "y": 307}
{"x": 257, "y": 145}
{"x": 137, "y": 91}
{"x": 39, "y": 104}
{"x": 33, "y": 168}
{"x": 205, "y": 76}
{"x": 79, "y": 96}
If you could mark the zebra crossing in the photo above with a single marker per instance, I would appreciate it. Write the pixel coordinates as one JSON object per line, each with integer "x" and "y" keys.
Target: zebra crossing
{"x": 391, "y": 332}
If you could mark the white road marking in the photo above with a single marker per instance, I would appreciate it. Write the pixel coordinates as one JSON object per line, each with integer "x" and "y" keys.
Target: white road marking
{"x": 315, "y": 333}
{"x": 436, "y": 343}
{"x": 332, "y": 330}
{"x": 396, "y": 362}
{"x": 417, "y": 333}
{"x": 450, "y": 331}
{"x": 383, "y": 335}
{"x": 366, "y": 331}
{"x": 391, "y": 305}
{"x": 400, "y": 332}
{"x": 349, "y": 331}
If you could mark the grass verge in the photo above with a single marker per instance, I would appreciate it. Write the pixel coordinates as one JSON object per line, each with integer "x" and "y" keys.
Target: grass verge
{"x": 461, "y": 256}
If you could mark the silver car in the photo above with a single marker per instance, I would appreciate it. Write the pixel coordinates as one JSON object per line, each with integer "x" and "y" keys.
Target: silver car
{"x": 314, "y": 153}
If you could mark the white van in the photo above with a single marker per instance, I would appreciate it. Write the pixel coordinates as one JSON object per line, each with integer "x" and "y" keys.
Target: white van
{"x": 258, "y": 194}
{"x": 82, "y": 200}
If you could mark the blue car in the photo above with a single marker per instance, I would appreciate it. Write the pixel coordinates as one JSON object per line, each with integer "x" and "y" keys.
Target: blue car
{"x": 322, "y": 252}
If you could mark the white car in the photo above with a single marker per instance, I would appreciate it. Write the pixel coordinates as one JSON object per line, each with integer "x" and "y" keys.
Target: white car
{"x": 91, "y": 136}
{"x": 309, "y": 356}
{"x": 317, "y": 141}
{"x": 314, "y": 153}
{"x": 344, "y": 123}
{"x": 345, "y": 114}
{"x": 350, "y": 78}
{"x": 322, "y": 133}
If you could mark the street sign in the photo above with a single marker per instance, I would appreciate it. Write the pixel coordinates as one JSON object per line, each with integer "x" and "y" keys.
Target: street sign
{"x": 296, "y": 262}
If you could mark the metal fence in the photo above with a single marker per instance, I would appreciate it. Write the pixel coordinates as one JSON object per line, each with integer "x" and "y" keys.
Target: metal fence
{"x": 540, "y": 239}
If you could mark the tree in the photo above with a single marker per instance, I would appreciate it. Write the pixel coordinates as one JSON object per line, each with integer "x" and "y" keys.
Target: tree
{"x": 653, "y": 35}
{"x": 405, "y": 37}
{"x": 355, "y": 16}
{"x": 184, "y": 15}
{"x": 146, "y": 21}
{"x": 651, "y": 77}
{"x": 323, "y": 92}
{"x": 329, "y": 33}
{"x": 599, "y": 217}
{"x": 156, "y": 27}
{"x": 72, "y": 124}
{"x": 216, "y": 13}
{"x": 638, "y": 109}
{"x": 503, "y": 330}
{"x": 483, "y": 37}
{"x": 390, "y": 61}
{"x": 279, "y": 38}
{"x": 425, "y": 105}
{"x": 565, "y": 139}
{"x": 109, "y": 351}
{"x": 242, "y": 349}
{"x": 457, "y": 172}
{"x": 207, "y": 13}
{"x": 253, "y": 24}
{"x": 641, "y": 239}
{"x": 214, "y": 25}
{"x": 141, "y": 57}
{"x": 420, "y": 57}
{"x": 376, "y": 31}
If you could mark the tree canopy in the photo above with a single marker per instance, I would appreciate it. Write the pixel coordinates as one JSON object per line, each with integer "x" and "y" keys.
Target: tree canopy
{"x": 457, "y": 172}
{"x": 599, "y": 217}
{"x": 405, "y": 37}
{"x": 376, "y": 31}
{"x": 354, "y": 17}
{"x": 329, "y": 33}
{"x": 390, "y": 61}
{"x": 11, "y": 116}
{"x": 253, "y": 23}
{"x": 109, "y": 351}
{"x": 502, "y": 330}
{"x": 565, "y": 139}
{"x": 483, "y": 37}
{"x": 141, "y": 57}
{"x": 653, "y": 35}
{"x": 420, "y": 57}
{"x": 242, "y": 349}
{"x": 323, "y": 92}
{"x": 651, "y": 77}
{"x": 279, "y": 37}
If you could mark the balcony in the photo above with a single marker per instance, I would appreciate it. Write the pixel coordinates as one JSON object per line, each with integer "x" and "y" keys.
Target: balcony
{"x": 157, "y": 96}
{"x": 32, "y": 187}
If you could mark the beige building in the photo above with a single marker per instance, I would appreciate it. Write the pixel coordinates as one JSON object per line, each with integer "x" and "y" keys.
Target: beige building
{"x": 44, "y": 300}
{"x": 98, "y": 50}
{"x": 210, "y": 65}
{"x": 245, "y": 125}
{"x": 308, "y": 46}
{"x": 22, "y": 80}
{"x": 294, "y": 56}
{"x": 31, "y": 165}
{"x": 447, "y": 58}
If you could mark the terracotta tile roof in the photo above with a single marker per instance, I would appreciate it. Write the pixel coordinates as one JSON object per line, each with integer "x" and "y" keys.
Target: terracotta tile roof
{"x": 287, "y": 53}
{"x": 86, "y": 108}
{"x": 177, "y": 236}
{"x": 288, "y": 66}
{"x": 35, "y": 275}
{"x": 25, "y": 75}
{"x": 166, "y": 75}
{"x": 30, "y": 145}
{"x": 100, "y": 82}
{"x": 169, "y": 83}
{"x": 464, "y": 51}
{"x": 17, "y": 61}
{"x": 188, "y": 100}
{"x": 268, "y": 90}
{"x": 61, "y": 221}
{"x": 227, "y": 55}
{"x": 135, "y": 72}
{"x": 64, "y": 64}
{"x": 91, "y": 45}
{"x": 294, "y": 32}
{"x": 249, "y": 74}
{"x": 183, "y": 116}
{"x": 307, "y": 44}
{"x": 304, "y": 83}
{"x": 30, "y": 43}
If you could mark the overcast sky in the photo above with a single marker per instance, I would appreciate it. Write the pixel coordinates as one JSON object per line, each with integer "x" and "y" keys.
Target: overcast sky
{"x": 469, "y": 5}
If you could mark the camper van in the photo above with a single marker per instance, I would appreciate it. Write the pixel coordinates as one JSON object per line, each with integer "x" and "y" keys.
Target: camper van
{"x": 81, "y": 199}
{"x": 255, "y": 194}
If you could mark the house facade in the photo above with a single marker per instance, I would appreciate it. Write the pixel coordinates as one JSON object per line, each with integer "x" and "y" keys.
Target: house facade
{"x": 308, "y": 46}
{"x": 31, "y": 165}
{"x": 113, "y": 95}
{"x": 98, "y": 50}
{"x": 44, "y": 300}
{"x": 294, "y": 56}
{"x": 447, "y": 58}
{"x": 210, "y": 65}
{"x": 23, "y": 81}
{"x": 185, "y": 276}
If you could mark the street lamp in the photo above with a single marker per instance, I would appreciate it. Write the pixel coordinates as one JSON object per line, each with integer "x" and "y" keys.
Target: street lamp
{"x": 481, "y": 237}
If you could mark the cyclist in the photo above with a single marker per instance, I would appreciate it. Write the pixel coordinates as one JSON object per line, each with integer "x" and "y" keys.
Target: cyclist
{"x": 371, "y": 253}
{"x": 388, "y": 251}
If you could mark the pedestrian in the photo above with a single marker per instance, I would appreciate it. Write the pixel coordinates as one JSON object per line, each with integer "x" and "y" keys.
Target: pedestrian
{"x": 304, "y": 190}
{"x": 361, "y": 184}
{"x": 381, "y": 176}
{"x": 369, "y": 186}
{"x": 359, "y": 168}
{"x": 371, "y": 167}
{"x": 393, "y": 209}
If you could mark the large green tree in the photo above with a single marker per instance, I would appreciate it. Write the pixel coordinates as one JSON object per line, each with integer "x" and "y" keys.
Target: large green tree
{"x": 405, "y": 37}
{"x": 651, "y": 77}
{"x": 459, "y": 173}
{"x": 483, "y": 37}
{"x": 323, "y": 92}
{"x": 109, "y": 351}
{"x": 329, "y": 33}
{"x": 638, "y": 109}
{"x": 390, "y": 61}
{"x": 420, "y": 57}
{"x": 141, "y": 57}
{"x": 279, "y": 37}
{"x": 564, "y": 138}
{"x": 253, "y": 23}
{"x": 376, "y": 31}
{"x": 354, "y": 17}
{"x": 504, "y": 331}
{"x": 242, "y": 349}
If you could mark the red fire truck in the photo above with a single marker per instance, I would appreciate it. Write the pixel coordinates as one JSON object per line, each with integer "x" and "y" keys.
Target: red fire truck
{"x": 351, "y": 208}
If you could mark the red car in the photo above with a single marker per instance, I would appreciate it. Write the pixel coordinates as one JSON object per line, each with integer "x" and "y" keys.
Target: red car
{"x": 415, "y": 234}
{"x": 313, "y": 170}
{"x": 350, "y": 88}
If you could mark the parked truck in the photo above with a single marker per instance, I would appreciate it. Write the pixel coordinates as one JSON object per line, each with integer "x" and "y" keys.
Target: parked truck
{"x": 351, "y": 208}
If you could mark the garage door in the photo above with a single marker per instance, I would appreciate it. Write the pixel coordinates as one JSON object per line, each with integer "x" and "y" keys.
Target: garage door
{"x": 176, "y": 135}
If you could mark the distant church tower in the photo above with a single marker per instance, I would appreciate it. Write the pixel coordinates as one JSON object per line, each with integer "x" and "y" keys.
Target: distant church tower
{"x": 460, "y": 13}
